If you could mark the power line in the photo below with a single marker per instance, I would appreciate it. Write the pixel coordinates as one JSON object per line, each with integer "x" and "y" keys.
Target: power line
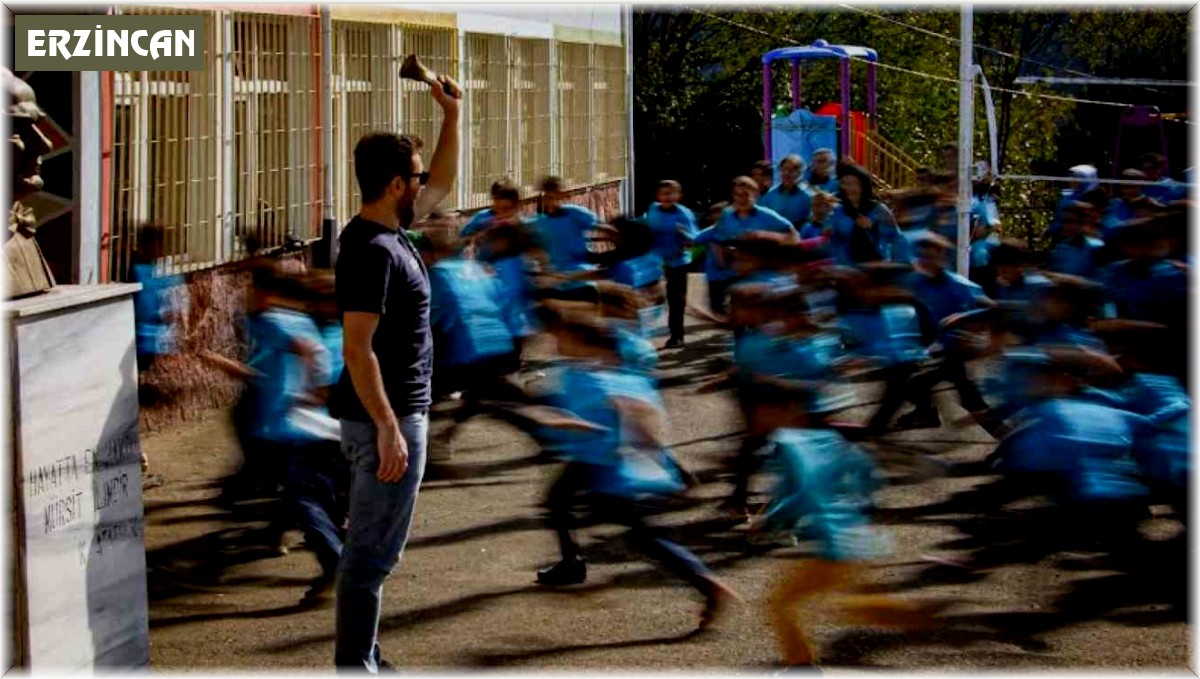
{"x": 1064, "y": 180}
{"x": 922, "y": 74}
{"x": 1128, "y": 82}
{"x": 985, "y": 48}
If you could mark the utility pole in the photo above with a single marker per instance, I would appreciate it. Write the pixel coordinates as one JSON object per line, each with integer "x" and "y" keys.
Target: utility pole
{"x": 966, "y": 120}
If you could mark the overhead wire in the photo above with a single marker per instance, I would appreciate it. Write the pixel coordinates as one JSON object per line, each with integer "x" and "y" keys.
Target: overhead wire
{"x": 985, "y": 48}
{"x": 929, "y": 76}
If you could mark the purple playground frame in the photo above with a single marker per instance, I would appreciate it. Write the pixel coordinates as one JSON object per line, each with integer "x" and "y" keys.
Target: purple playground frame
{"x": 820, "y": 49}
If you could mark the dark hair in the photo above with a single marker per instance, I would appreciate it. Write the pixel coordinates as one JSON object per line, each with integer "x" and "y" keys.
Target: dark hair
{"x": 1009, "y": 253}
{"x": 1152, "y": 158}
{"x": 151, "y": 242}
{"x": 765, "y": 167}
{"x": 713, "y": 213}
{"x": 636, "y": 237}
{"x": 746, "y": 182}
{"x": 867, "y": 201}
{"x": 552, "y": 185}
{"x": 669, "y": 184}
{"x": 505, "y": 189}
{"x": 379, "y": 158}
{"x": 1097, "y": 198}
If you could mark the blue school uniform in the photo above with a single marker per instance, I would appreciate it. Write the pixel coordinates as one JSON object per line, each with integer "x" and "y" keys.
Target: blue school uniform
{"x": 283, "y": 378}
{"x": 890, "y": 334}
{"x": 811, "y": 229}
{"x": 464, "y": 313}
{"x": 332, "y": 340}
{"x": 1060, "y": 211}
{"x": 985, "y": 211}
{"x": 588, "y": 392}
{"x": 1076, "y": 257}
{"x": 1119, "y": 211}
{"x": 1086, "y": 445}
{"x": 761, "y": 352}
{"x": 671, "y": 245}
{"x": 730, "y": 226}
{"x": 564, "y": 236}
{"x": 830, "y": 185}
{"x": 636, "y": 352}
{"x": 826, "y": 482}
{"x": 638, "y": 272}
{"x": 1166, "y": 190}
{"x": 478, "y": 222}
{"x": 1162, "y": 448}
{"x": 944, "y": 294}
{"x": 515, "y": 295}
{"x": 886, "y": 236}
{"x": 1146, "y": 291}
{"x": 794, "y": 204}
{"x": 155, "y": 335}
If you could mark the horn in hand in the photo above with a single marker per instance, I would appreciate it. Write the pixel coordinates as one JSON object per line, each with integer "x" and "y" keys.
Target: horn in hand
{"x": 413, "y": 69}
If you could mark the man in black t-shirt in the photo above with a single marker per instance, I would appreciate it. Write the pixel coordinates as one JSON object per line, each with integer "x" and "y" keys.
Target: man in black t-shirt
{"x": 383, "y": 396}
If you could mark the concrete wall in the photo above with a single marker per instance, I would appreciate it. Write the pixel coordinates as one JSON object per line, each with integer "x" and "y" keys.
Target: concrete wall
{"x": 181, "y": 388}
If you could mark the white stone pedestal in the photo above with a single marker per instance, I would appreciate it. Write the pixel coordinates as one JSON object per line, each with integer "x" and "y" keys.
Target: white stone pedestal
{"x": 76, "y": 496}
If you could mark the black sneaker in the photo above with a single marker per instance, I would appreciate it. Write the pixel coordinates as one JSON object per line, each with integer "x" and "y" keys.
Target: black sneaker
{"x": 567, "y": 572}
{"x": 674, "y": 343}
{"x": 919, "y": 420}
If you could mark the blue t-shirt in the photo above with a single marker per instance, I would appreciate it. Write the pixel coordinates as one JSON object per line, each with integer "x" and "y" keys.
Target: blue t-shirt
{"x": 516, "y": 294}
{"x": 466, "y": 318}
{"x": 730, "y": 226}
{"x": 1118, "y": 212}
{"x": 564, "y": 236}
{"x": 830, "y": 185}
{"x": 1087, "y": 444}
{"x": 588, "y": 392}
{"x": 984, "y": 210}
{"x": 825, "y": 480}
{"x": 795, "y": 205}
{"x": 378, "y": 271}
{"x": 810, "y": 229}
{"x": 638, "y": 272}
{"x": 1166, "y": 190}
{"x": 151, "y": 304}
{"x": 890, "y": 334}
{"x": 1147, "y": 291}
{"x": 332, "y": 340}
{"x": 284, "y": 378}
{"x": 944, "y": 294}
{"x": 478, "y": 222}
{"x": 1076, "y": 257}
{"x": 885, "y": 235}
{"x": 668, "y": 242}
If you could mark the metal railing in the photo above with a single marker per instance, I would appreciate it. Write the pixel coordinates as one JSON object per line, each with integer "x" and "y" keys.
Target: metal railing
{"x": 888, "y": 164}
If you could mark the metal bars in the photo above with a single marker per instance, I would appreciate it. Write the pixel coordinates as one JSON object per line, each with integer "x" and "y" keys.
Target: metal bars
{"x": 235, "y": 150}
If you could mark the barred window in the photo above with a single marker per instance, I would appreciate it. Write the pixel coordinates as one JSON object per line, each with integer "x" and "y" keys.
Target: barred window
{"x": 165, "y": 164}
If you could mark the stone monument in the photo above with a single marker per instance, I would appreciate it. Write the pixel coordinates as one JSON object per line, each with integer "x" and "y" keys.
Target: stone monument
{"x": 78, "y": 561}
{"x": 26, "y": 270}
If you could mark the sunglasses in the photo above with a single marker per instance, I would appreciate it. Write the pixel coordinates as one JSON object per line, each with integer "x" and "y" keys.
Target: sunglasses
{"x": 423, "y": 178}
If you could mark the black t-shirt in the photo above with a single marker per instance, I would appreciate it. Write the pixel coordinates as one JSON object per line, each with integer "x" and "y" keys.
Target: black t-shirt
{"x": 379, "y": 271}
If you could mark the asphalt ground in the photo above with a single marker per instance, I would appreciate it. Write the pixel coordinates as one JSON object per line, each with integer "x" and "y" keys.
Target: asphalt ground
{"x": 1019, "y": 593}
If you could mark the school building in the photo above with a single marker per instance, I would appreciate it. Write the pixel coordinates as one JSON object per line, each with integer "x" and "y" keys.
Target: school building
{"x": 248, "y": 144}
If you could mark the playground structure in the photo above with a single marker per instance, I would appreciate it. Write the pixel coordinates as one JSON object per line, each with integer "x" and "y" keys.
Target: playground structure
{"x": 1139, "y": 118}
{"x": 858, "y": 139}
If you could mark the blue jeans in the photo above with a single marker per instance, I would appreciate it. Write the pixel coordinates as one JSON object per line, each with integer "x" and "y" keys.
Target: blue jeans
{"x": 380, "y": 516}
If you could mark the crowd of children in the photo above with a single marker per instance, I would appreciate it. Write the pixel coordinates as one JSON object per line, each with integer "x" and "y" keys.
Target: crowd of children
{"x": 815, "y": 276}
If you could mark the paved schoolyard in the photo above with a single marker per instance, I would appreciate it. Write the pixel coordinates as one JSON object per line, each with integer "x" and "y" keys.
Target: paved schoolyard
{"x": 464, "y": 595}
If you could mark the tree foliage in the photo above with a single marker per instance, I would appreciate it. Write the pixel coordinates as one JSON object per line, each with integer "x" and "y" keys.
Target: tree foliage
{"x": 698, "y": 87}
